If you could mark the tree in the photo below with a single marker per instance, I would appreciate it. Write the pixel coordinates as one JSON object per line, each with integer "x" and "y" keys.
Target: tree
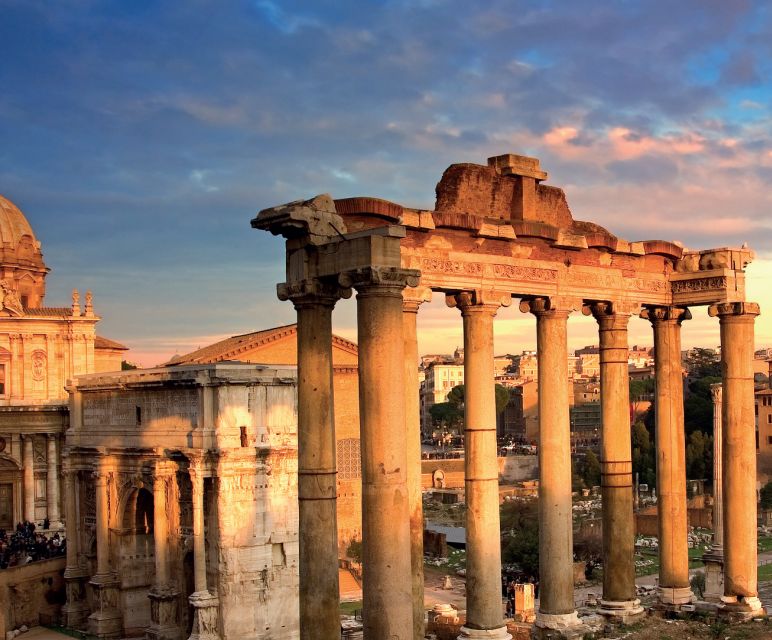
{"x": 643, "y": 454}
{"x": 445, "y": 414}
{"x": 456, "y": 397}
{"x": 520, "y": 535}
{"x": 698, "y": 405}
{"x": 127, "y": 366}
{"x": 354, "y": 550}
{"x": 766, "y": 496}
{"x": 703, "y": 363}
{"x": 590, "y": 469}
{"x": 699, "y": 456}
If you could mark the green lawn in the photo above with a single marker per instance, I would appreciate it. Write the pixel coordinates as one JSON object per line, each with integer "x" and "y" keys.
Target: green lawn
{"x": 348, "y": 608}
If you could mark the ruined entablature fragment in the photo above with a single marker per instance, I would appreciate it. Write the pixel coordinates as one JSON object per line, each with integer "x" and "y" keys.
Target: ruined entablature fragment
{"x": 316, "y": 220}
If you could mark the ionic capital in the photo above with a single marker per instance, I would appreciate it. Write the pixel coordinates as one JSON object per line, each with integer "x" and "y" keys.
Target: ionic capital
{"x": 655, "y": 315}
{"x": 383, "y": 280}
{"x": 312, "y": 292}
{"x": 554, "y": 305}
{"x": 484, "y": 300}
{"x": 605, "y": 309}
{"x": 414, "y": 297}
{"x": 724, "y": 309}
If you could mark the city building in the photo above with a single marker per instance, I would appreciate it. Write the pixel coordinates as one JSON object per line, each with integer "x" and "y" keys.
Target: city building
{"x": 41, "y": 348}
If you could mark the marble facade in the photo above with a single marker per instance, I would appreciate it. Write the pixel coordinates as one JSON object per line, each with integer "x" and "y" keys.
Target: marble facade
{"x": 181, "y": 502}
{"x": 41, "y": 348}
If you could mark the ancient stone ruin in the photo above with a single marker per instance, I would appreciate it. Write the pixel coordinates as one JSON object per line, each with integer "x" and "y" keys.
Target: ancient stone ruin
{"x": 497, "y": 234}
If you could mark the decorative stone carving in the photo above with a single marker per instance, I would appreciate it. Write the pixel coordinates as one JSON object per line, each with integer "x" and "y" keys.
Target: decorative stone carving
{"x": 478, "y": 297}
{"x": 10, "y": 299}
{"x": 700, "y": 284}
{"x": 312, "y": 292}
{"x": 734, "y": 309}
{"x": 39, "y": 361}
{"x": 380, "y": 276}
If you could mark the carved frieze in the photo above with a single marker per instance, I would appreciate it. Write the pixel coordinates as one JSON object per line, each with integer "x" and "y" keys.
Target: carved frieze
{"x": 700, "y": 284}
{"x": 515, "y": 272}
{"x": 453, "y": 267}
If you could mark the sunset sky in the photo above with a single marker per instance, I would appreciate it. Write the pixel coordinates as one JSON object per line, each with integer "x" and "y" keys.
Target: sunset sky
{"x": 140, "y": 138}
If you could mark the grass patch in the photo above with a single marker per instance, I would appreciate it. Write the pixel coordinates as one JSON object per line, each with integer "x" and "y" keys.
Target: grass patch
{"x": 349, "y": 608}
{"x": 765, "y": 573}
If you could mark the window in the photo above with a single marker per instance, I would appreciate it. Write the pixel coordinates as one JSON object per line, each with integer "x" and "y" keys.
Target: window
{"x": 2, "y": 379}
{"x": 769, "y": 418}
{"x": 769, "y": 439}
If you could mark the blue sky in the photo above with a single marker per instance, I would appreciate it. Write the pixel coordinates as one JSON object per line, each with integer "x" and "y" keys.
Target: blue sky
{"x": 140, "y": 137}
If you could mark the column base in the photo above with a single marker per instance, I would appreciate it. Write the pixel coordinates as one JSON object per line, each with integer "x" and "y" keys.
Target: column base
{"x": 622, "y": 611}
{"x": 204, "y": 616}
{"x": 163, "y": 613}
{"x": 714, "y": 577}
{"x": 75, "y": 612}
{"x": 740, "y": 608}
{"x": 500, "y": 633}
{"x": 674, "y": 597}
{"x": 107, "y": 620}
{"x": 558, "y": 626}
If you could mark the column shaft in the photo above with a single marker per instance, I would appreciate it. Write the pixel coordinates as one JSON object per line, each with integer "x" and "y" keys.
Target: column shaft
{"x": 71, "y": 517}
{"x": 28, "y": 461}
{"x": 413, "y": 439}
{"x": 52, "y": 483}
{"x": 160, "y": 529}
{"x": 388, "y": 606}
{"x": 317, "y": 488}
{"x": 483, "y": 535}
{"x": 718, "y": 493}
{"x": 556, "y": 574}
{"x": 102, "y": 524}
{"x": 671, "y": 455}
{"x": 739, "y": 453}
{"x": 199, "y": 547}
{"x": 616, "y": 460}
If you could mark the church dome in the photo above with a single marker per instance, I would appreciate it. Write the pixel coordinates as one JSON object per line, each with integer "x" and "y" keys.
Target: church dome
{"x": 21, "y": 259}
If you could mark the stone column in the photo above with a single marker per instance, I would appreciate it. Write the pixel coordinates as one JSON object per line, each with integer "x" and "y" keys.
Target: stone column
{"x": 714, "y": 558}
{"x": 204, "y": 603}
{"x": 28, "y": 463}
{"x": 556, "y": 569}
{"x": 75, "y": 610}
{"x": 106, "y": 619}
{"x": 163, "y": 595}
{"x": 484, "y": 612}
{"x": 52, "y": 483}
{"x": 674, "y": 589}
{"x": 317, "y": 467}
{"x": 619, "y": 599}
{"x": 739, "y": 458}
{"x": 387, "y": 588}
{"x": 412, "y": 299}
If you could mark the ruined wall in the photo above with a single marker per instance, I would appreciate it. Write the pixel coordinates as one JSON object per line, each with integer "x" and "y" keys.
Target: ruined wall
{"x": 346, "y": 390}
{"x": 31, "y": 594}
{"x": 511, "y": 469}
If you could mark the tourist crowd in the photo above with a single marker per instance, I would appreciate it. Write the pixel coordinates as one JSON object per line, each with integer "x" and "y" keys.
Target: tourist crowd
{"x": 23, "y": 546}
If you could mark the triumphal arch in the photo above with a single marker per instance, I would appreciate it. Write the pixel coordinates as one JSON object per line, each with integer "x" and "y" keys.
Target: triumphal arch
{"x": 497, "y": 233}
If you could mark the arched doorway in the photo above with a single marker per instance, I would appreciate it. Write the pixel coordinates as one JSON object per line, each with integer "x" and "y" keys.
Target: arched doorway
{"x": 136, "y": 559}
